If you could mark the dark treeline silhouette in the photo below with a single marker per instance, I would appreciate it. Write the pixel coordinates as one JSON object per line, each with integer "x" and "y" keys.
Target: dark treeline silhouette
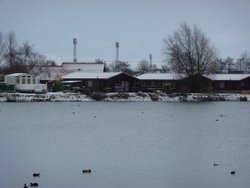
{"x": 15, "y": 57}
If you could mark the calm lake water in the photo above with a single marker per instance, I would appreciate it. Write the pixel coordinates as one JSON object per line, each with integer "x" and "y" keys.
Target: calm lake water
{"x": 127, "y": 145}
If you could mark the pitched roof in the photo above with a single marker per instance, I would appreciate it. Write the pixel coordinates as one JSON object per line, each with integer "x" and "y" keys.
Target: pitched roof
{"x": 227, "y": 77}
{"x": 176, "y": 76}
{"x": 91, "y": 75}
{"x": 161, "y": 76}
{"x": 16, "y": 74}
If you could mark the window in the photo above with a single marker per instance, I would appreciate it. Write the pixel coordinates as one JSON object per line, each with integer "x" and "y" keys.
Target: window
{"x": 222, "y": 85}
{"x": 18, "y": 80}
{"x": 28, "y": 80}
{"x": 90, "y": 83}
{"x": 34, "y": 81}
{"x": 23, "y": 80}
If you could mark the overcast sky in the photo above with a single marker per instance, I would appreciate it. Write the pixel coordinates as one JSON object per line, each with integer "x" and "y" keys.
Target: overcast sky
{"x": 139, "y": 26}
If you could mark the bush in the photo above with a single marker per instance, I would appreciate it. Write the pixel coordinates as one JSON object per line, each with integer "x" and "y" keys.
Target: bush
{"x": 57, "y": 86}
{"x": 167, "y": 87}
{"x": 123, "y": 95}
{"x": 98, "y": 96}
{"x": 243, "y": 98}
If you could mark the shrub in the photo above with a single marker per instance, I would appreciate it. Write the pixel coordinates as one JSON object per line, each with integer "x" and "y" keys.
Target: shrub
{"x": 57, "y": 86}
{"x": 243, "y": 98}
{"x": 98, "y": 96}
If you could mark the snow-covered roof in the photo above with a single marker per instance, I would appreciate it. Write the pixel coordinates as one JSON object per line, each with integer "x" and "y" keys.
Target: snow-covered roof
{"x": 91, "y": 75}
{"x": 70, "y": 81}
{"x": 84, "y": 67}
{"x": 56, "y": 72}
{"x": 17, "y": 74}
{"x": 225, "y": 77}
{"x": 161, "y": 76}
{"x": 175, "y": 76}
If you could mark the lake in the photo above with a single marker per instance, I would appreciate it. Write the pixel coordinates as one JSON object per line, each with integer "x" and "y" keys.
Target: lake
{"x": 126, "y": 145}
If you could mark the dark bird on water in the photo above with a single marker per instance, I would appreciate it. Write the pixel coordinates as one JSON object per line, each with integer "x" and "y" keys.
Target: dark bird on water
{"x": 36, "y": 175}
{"x": 232, "y": 172}
{"x": 33, "y": 184}
{"x": 215, "y": 164}
{"x": 25, "y": 186}
{"x": 86, "y": 171}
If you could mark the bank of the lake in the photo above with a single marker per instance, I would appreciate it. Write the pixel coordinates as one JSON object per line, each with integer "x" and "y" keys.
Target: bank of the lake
{"x": 121, "y": 97}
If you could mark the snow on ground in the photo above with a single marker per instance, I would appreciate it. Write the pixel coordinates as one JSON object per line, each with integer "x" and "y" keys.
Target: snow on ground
{"x": 50, "y": 96}
{"x": 120, "y": 97}
{"x": 128, "y": 97}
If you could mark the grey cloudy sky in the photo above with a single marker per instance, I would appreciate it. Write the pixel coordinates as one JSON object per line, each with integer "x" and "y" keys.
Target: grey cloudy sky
{"x": 139, "y": 26}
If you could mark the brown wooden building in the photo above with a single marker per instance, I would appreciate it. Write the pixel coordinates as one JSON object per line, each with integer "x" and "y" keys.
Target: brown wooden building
{"x": 104, "y": 81}
{"x": 196, "y": 83}
{"x": 170, "y": 82}
{"x": 230, "y": 82}
{"x": 160, "y": 81}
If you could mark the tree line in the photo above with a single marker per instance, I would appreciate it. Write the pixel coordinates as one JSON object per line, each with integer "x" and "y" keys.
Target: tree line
{"x": 15, "y": 57}
{"x": 188, "y": 50}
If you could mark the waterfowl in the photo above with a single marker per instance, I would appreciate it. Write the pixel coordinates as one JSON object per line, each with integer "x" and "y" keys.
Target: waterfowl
{"x": 36, "y": 174}
{"x": 33, "y": 184}
{"x": 25, "y": 186}
{"x": 86, "y": 171}
{"x": 215, "y": 164}
{"x": 232, "y": 172}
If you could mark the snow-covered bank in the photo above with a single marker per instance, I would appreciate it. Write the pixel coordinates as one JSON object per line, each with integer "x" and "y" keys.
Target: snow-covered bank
{"x": 48, "y": 97}
{"x": 120, "y": 97}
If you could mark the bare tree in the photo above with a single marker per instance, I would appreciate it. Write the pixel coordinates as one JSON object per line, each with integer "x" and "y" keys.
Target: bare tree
{"x": 164, "y": 68}
{"x": 120, "y": 66}
{"x": 10, "y": 53}
{"x": 190, "y": 51}
{"x": 18, "y": 58}
{"x": 245, "y": 62}
{"x": 29, "y": 57}
{"x": 143, "y": 66}
{"x": 1, "y": 47}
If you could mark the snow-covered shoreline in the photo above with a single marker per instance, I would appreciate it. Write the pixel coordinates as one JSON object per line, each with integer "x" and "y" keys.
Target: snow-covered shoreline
{"x": 120, "y": 97}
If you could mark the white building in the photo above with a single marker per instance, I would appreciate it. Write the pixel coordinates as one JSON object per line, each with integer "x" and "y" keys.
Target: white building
{"x": 51, "y": 73}
{"x": 84, "y": 66}
{"x": 24, "y": 82}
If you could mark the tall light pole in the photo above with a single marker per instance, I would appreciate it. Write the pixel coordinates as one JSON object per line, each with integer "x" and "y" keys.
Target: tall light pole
{"x": 117, "y": 51}
{"x": 150, "y": 61}
{"x": 74, "y": 50}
